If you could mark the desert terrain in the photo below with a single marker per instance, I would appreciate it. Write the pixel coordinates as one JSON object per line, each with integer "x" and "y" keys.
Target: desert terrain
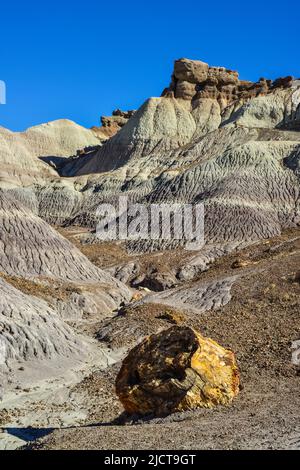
{"x": 72, "y": 306}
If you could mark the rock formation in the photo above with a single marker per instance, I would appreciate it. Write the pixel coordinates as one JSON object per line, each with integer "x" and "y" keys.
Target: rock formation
{"x": 110, "y": 125}
{"x": 193, "y": 80}
{"x": 200, "y": 98}
{"x": 175, "y": 370}
{"x": 234, "y": 152}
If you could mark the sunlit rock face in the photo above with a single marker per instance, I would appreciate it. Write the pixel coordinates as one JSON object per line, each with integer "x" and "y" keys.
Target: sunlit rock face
{"x": 199, "y": 100}
{"x": 31, "y": 156}
{"x": 176, "y": 370}
{"x": 193, "y": 80}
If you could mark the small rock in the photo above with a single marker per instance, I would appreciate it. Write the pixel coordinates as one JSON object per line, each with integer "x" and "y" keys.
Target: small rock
{"x": 240, "y": 263}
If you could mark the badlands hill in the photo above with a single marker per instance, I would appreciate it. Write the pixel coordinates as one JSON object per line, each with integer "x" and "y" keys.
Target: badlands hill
{"x": 22, "y": 152}
{"x": 211, "y": 138}
{"x": 200, "y": 99}
{"x": 71, "y": 306}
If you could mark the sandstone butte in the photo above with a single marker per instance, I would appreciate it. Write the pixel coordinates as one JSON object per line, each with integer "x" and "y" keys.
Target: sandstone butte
{"x": 176, "y": 370}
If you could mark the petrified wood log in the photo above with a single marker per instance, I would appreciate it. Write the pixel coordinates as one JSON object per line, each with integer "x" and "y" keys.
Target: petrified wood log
{"x": 175, "y": 370}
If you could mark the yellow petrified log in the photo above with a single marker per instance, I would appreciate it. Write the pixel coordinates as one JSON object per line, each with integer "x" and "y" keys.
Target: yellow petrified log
{"x": 175, "y": 370}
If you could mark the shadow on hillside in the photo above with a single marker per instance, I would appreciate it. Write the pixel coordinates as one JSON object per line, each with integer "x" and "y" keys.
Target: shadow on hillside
{"x": 30, "y": 434}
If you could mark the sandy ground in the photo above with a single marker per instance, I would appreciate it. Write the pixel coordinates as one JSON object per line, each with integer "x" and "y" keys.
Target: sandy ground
{"x": 255, "y": 421}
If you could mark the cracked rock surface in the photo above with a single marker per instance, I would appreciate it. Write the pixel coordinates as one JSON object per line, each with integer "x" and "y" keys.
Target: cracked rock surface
{"x": 175, "y": 370}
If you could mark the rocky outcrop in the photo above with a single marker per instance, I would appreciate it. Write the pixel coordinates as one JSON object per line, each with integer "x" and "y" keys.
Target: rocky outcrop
{"x": 199, "y": 100}
{"x": 232, "y": 145}
{"x": 177, "y": 370}
{"x": 118, "y": 119}
{"x": 193, "y": 80}
{"x": 110, "y": 125}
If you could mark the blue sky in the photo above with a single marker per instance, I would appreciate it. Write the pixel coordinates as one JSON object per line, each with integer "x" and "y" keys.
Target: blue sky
{"x": 81, "y": 59}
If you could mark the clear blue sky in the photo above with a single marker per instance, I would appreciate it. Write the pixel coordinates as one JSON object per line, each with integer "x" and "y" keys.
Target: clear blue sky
{"x": 81, "y": 59}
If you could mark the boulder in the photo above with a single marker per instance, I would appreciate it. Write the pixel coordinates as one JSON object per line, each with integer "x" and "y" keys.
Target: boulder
{"x": 175, "y": 370}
